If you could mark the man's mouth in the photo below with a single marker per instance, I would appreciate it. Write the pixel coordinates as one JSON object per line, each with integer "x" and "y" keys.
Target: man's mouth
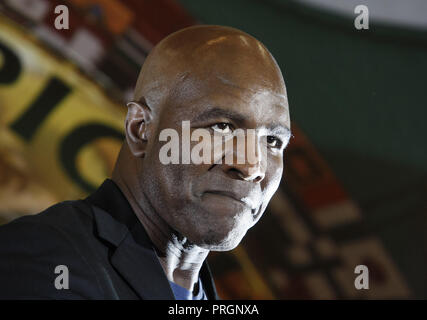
{"x": 243, "y": 200}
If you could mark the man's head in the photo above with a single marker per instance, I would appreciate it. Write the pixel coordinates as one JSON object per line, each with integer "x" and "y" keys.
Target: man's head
{"x": 219, "y": 79}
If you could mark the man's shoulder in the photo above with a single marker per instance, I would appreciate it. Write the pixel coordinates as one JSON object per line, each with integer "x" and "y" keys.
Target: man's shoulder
{"x": 32, "y": 246}
{"x": 60, "y": 230}
{"x": 66, "y": 216}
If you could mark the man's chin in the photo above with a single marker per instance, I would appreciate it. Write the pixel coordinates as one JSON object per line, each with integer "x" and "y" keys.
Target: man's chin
{"x": 221, "y": 247}
{"x": 220, "y": 242}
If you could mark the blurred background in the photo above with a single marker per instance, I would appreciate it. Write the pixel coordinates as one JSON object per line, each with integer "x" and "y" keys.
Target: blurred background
{"x": 354, "y": 189}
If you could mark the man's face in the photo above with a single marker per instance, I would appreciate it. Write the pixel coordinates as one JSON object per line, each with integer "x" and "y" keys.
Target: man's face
{"x": 213, "y": 205}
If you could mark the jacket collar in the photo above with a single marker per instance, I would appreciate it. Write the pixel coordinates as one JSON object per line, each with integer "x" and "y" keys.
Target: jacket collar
{"x": 134, "y": 256}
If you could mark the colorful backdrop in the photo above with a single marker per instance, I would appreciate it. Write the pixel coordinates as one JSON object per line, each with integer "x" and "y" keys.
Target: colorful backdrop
{"x": 355, "y": 181}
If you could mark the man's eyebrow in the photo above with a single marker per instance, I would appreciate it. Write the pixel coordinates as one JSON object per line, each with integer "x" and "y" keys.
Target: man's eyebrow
{"x": 217, "y": 112}
{"x": 280, "y": 129}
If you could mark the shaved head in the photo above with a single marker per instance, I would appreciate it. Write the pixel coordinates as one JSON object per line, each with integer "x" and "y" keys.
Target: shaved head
{"x": 202, "y": 54}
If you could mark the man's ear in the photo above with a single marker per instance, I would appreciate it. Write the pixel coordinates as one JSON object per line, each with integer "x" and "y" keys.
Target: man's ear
{"x": 137, "y": 124}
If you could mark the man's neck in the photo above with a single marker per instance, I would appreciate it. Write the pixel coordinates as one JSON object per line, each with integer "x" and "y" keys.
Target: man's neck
{"x": 181, "y": 261}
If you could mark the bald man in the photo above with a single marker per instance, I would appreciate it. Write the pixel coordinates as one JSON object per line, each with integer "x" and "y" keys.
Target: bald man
{"x": 147, "y": 231}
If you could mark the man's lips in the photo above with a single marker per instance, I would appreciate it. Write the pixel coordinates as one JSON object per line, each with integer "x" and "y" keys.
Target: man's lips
{"x": 231, "y": 195}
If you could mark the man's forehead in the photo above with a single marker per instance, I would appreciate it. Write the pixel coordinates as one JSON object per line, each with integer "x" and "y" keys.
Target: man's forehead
{"x": 254, "y": 104}
{"x": 256, "y": 89}
{"x": 193, "y": 87}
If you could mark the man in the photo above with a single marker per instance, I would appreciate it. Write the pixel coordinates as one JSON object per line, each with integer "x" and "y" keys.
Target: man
{"x": 146, "y": 233}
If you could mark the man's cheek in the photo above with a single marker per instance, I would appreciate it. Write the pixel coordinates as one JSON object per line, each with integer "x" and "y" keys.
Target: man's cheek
{"x": 275, "y": 171}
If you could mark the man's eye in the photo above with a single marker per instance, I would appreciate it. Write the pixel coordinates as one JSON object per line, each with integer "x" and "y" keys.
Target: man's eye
{"x": 222, "y": 127}
{"x": 274, "y": 142}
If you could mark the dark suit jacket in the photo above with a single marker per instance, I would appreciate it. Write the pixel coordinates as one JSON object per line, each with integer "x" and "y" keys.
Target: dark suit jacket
{"x": 100, "y": 240}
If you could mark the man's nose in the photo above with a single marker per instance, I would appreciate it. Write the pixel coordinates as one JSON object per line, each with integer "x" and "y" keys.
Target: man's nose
{"x": 249, "y": 160}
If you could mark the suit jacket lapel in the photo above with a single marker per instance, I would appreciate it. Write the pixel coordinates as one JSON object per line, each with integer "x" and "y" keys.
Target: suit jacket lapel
{"x": 141, "y": 268}
{"x": 135, "y": 260}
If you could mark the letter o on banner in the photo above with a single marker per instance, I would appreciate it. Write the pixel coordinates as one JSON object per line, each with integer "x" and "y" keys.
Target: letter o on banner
{"x": 75, "y": 141}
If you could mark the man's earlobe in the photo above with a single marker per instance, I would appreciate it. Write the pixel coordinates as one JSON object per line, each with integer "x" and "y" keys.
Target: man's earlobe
{"x": 137, "y": 124}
